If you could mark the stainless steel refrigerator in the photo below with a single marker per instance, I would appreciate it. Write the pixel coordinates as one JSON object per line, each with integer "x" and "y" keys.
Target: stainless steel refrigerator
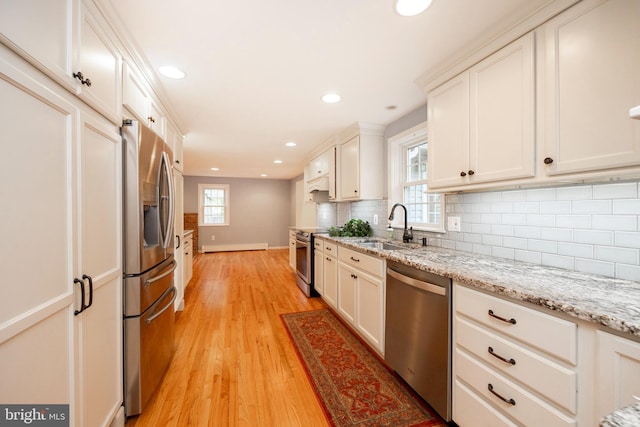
{"x": 149, "y": 290}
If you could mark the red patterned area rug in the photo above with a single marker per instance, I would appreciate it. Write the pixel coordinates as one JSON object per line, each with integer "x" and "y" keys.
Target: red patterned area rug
{"x": 355, "y": 388}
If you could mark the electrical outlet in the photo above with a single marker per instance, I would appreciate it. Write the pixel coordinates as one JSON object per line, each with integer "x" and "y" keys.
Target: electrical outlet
{"x": 213, "y": 237}
{"x": 454, "y": 223}
{"x": 375, "y": 219}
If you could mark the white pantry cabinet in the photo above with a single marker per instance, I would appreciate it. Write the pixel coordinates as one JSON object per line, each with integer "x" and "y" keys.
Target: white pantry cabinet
{"x": 481, "y": 122}
{"x": 592, "y": 79}
{"x": 71, "y": 45}
{"x": 618, "y": 373}
{"x": 61, "y": 322}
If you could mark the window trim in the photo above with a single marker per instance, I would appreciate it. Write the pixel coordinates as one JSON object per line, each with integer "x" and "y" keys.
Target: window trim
{"x": 227, "y": 198}
{"x": 396, "y": 163}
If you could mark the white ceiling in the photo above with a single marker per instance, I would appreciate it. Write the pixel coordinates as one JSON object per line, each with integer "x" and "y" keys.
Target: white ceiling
{"x": 256, "y": 69}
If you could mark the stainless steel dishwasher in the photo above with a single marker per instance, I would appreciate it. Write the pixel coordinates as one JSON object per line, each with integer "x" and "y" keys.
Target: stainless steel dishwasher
{"x": 418, "y": 333}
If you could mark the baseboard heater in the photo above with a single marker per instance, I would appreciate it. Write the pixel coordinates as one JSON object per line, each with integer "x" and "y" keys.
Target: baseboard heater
{"x": 237, "y": 247}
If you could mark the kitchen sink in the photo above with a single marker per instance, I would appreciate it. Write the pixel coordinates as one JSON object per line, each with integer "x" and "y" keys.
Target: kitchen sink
{"x": 382, "y": 245}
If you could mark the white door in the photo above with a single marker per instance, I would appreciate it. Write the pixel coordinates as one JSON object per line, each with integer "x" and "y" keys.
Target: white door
{"x": 38, "y": 202}
{"x": 99, "y": 227}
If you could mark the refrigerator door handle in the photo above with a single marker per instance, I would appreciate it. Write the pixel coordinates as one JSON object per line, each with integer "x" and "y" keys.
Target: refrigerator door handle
{"x": 166, "y": 165}
{"x": 153, "y": 279}
{"x": 154, "y": 315}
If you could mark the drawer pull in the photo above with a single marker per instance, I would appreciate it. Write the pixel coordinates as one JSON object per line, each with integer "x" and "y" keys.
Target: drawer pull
{"x": 497, "y": 356}
{"x": 509, "y": 401}
{"x": 353, "y": 276}
{"x": 355, "y": 259}
{"x": 512, "y": 320}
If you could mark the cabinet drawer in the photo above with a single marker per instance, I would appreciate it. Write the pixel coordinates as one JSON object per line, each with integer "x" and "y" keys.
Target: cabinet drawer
{"x": 317, "y": 245}
{"x": 525, "y": 408}
{"x": 361, "y": 261}
{"x": 542, "y": 331}
{"x": 472, "y": 411}
{"x": 557, "y": 383}
{"x": 330, "y": 249}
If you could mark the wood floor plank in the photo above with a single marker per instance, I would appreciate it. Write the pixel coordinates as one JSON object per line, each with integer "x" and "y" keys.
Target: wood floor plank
{"x": 234, "y": 363}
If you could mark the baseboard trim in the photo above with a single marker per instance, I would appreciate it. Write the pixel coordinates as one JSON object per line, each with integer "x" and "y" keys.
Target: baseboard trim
{"x": 237, "y": 247}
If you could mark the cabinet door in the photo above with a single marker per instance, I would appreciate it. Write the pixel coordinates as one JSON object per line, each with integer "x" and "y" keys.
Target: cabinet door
{"x": 319, "y": 166}
{"x": 38, "y": 238}
{"x": 134, "y": 94}
{"x": 370, "y": 310}
{"x": 100, "y": 325}
{"x": 330, "y": 276}
{"x": 502, "y": 131}
{"x": 156, "y": 119}
{"x": 318, "y": 271}
{"x": 46, "y": 38}
{"x": 347, "y": 282}
{"x": 448, "y": 131}
{"x": 174, "y": 139}
{"x": 618, "y": 373}
{"x": 101, "y": 63}
{"x": 350, "y": 169}
{"x": 592, "y": 80}
{"x": 292, "y": 252}
{"x": 178, "y": 229}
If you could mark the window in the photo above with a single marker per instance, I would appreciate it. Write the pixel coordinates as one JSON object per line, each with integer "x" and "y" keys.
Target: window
{"x": 408, "y": 167}
{"x": 213, "y": 200}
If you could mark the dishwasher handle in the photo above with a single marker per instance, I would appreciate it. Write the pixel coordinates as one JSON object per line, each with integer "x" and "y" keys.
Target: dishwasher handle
{"x": 420, "y": 284}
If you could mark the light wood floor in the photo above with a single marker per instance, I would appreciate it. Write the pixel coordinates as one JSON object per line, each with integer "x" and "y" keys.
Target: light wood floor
{"x": 234, "y": 363}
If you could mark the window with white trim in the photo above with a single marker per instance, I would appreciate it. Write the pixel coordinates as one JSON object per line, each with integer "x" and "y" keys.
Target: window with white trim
{"x": 213, "y": 202}
{"x": 408, "y": 167}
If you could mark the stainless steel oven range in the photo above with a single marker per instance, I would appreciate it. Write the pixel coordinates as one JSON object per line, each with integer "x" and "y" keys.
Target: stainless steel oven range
{"x": 304, "y": 260}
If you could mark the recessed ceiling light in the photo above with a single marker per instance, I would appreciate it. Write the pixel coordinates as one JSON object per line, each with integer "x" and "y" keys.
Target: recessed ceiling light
{"x": 290, "y": 144}
{"x": 171, "y": 72}
{"x": 277, "y": 162}
{"x": 411, "y": 7}
{"x": 263, "y": 175}
{"x": 331, "y": 98}
{"x": 215, "y": 169}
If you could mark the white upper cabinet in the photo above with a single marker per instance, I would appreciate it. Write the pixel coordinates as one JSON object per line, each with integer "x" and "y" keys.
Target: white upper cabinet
{"x": 175, "y": 140}
{"x": 360, "y": 168}
{"x": 482, "y": 122}
{"x": 137, "y": 99}
{"x": 592, "y": 80}
{"x": 70, "y": 45}
{"x": 320, "y": 165}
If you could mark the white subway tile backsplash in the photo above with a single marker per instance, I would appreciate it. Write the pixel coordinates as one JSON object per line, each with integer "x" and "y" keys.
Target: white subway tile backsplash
{"x": 528, "y": 256}
{"x": 622, "y": 190}
{"x": 591, "y": 207}
{"x": 593, "y": 228}
{"x": 528, "y": 232}
{"x": 575, "y": 193}
{"x": 596, "y": 237}
{"x": 575, "y": 250}
{"x": 628, "y": 272}
{"x": 540, "y": 220}
{"x": 502, "y": 230}
{"x": 556, "y": 207}
{"x": 626, "y": 206}
{"x": 595, "y": 267}
{"x": 627, "y": 239}
{"x": 514, "y": 242}
{"x": 541, "y": 195}
{"x": 543, "y": 246}
{"x": 614, "y": 222}
{"x": 559, "y": 261}
{"x": 573, "y": 221}
{"x": 501, "y": 252}
{"x": 623, "y": 255}
{"x": 557, "y": 234}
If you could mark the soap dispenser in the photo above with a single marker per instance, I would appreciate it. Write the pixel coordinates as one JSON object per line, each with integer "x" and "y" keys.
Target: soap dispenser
{"x": 389, "y": 232}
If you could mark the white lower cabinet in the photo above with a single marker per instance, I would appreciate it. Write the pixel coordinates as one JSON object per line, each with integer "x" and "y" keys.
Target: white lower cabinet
{"x": 66, "y": 215}
{"x": 292, "y": 249}
{"x": 512, "y": 364}
{"x": 188, "y": 259}
{"x": 318, "y": 270}
{"x": 361, "y": 291}
{"x": 330, "y": 274}
{"x": 618, "y": 383}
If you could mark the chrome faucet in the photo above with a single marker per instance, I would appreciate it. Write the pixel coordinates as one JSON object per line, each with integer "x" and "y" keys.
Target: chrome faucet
{"x": 408, "y": 232}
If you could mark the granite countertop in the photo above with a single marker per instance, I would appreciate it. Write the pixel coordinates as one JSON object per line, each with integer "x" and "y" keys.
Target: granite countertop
{"x": 625, "y": 417}
{"x": 613, "y": 303}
